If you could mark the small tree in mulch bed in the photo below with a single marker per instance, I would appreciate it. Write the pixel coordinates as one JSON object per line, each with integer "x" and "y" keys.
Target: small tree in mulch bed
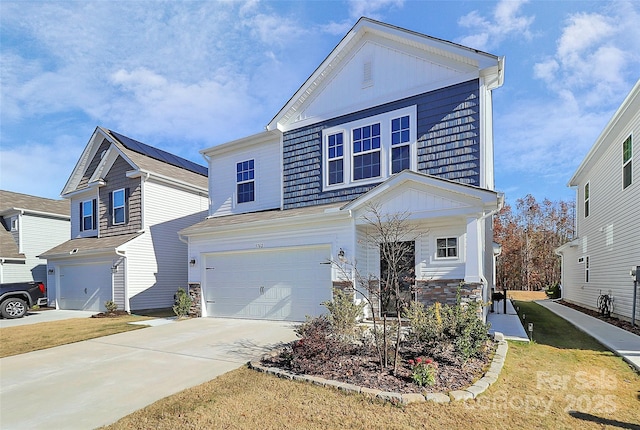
{"x": 182, "y": 303}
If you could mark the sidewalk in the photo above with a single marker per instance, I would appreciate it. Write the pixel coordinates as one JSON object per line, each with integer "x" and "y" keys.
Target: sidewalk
{"x": 621, "y": 342}
{"x": 508, "y": 324}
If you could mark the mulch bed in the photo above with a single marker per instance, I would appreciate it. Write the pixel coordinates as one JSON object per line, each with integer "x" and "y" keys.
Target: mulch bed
{"x": 625, "y": 325}
{"x": 114, "y": 314}
{"x": 364, "y": 371}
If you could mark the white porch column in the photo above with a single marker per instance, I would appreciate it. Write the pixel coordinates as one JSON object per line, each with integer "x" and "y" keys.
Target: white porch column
{"x": 473, "y": 264}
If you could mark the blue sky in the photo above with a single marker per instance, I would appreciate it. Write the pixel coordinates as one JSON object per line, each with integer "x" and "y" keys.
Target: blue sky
{"x": 184, "y": 76}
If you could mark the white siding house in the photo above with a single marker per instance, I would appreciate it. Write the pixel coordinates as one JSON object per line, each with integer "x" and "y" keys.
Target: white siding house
{"x": 391, "y": 118}
{"x": 128, "y": 201}
{"x": 607, "y": 185}
{"x": 30, "y": 226}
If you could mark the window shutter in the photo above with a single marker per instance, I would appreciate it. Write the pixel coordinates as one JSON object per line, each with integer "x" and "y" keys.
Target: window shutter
{"x": 81, "y": 218}
{"x": 126, "y": 205}
{"x": 95, "y": 213}
{"x": 110, "y": 216}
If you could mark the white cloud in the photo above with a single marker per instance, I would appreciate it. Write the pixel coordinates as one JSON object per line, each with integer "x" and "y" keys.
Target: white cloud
{"x": 596, "y": 58}
{"x": 506, "y": 21}
{"x": 47, "y": 164}
{"x": 371, "y": 8}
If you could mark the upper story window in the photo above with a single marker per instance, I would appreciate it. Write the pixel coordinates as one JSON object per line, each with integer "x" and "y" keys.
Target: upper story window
{"x": 627, "y": 155}
{"x": 370, "y": 150}
{"x": 14, "y": 223}
{"x": 586, "y": 199}
{"x": 400, "y": 140}
{"x": 366, "y": 152}
{"x": 447, "y": 247}
{"x": 336, "y": 158}
{"x": 88, "y": 215}
{"x": 118, "y": 209}
{"x": 245, "y": 175}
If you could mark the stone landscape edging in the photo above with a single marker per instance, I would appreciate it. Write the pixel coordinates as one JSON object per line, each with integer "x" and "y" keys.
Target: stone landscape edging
{"x": 469, "y": 393}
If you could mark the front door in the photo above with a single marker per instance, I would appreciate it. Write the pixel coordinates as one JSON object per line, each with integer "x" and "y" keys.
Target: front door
{"x": 397, "y": 275}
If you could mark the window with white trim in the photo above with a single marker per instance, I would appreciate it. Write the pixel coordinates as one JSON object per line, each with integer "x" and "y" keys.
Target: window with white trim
{"x": 369, "y": 150}
{"x": 14, "y": 223}
{"x": 245, "y": 175}
{"x": 586, "y": 200}
{"x": 88, "y": 215}
{"x": 627, "y": 155}
{"x": 118, "y": 210}
{"x": 335, "y": 147}
{"x": 586, "y": 268}
{"x": 447, "y": 247}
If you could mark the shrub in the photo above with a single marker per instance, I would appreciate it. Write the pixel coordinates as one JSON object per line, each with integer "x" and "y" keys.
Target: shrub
{"x": 182, "y": 303}
{"x": 344, "y": 313}
{"x": 316, "y": 345}
{"x": 553, "y": 292}
{"x": 446, "y": 329}
{"x": 111, "y": 306}
{"x": 423, "y": 371}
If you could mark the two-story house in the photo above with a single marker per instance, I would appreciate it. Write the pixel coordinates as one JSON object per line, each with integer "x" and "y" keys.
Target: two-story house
{"x": 391, "y": 118}
{"x": 607, "y": 244}
{"x": 30, "y": 226}
{"x": 128, "y": 201}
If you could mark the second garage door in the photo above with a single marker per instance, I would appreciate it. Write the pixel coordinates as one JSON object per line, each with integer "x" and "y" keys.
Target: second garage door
{"x": 85, "y": 287}
{"x": 275, "y": 284}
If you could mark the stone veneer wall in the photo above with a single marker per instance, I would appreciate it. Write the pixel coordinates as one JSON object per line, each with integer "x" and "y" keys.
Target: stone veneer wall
{"x": 445, "y": 291}
{"x": 195, "y": 292}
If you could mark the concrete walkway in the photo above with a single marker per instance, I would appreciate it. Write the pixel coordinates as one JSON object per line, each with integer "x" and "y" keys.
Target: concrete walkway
{"x": 508, "y": 324}
{"x": 96, "y": 382}
{"x": 621, "y": 342}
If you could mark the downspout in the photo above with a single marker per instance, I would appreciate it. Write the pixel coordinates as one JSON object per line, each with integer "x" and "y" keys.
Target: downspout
{"x": 127, "y": 306}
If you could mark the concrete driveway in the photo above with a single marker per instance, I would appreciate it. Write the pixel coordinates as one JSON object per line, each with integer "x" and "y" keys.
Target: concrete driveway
{"x": 34, "y": 317}
{"x": 96, "y": 382}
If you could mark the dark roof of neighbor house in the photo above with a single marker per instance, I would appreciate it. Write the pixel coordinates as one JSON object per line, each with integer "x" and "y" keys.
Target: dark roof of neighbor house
{"x": 9, "y": 247}
{"x": 159, "y": 154}
{"x": 152, "y": 164}
{"x": 86, "y": 245}
{"x": 11, "y": 201}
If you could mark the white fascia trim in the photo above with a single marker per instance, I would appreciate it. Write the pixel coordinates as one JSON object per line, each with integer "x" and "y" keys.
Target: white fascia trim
{"x": 107, "y": 162}
{"x": 243, "y": 143}
{"x": 632, "y": 97}
{"x": 166, "y": 179}
{"x": 90, "y": 187}
{"x": 40, "y": 213}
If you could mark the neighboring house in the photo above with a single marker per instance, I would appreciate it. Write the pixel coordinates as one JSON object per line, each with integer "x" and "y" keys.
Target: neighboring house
{"x": 128, "y": 201}
{"x": 30, "y": 226}
{"x": 607, "y": 245}
{"x": 392, "y": 118}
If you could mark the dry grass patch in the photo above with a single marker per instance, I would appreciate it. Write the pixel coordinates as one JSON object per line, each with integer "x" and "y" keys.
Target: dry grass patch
{"x": 551, "y": 383}
{"x": 527, "y": 296}
{"x": 33, "y": 337}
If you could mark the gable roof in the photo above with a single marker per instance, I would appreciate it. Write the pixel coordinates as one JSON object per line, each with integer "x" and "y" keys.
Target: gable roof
{"x": 15, "y": 202}
{"x": 629, "y": 107}
{"x": 489, "y": 65}
{"x": 142, "y": 158}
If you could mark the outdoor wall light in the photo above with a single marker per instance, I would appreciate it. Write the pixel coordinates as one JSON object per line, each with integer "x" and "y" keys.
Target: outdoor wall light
{"x": 341, "y": 256}
{"x": 114, "y": 269}
{"x": 192, "y": 262}
{"x": 51, "y": 271}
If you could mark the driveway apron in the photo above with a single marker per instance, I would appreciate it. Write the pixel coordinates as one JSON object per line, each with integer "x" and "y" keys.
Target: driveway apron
{"x": 93, "y": 383}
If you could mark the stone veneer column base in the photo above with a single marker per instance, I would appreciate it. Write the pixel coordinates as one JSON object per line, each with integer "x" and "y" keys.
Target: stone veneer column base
{"x": 195, "y": 292}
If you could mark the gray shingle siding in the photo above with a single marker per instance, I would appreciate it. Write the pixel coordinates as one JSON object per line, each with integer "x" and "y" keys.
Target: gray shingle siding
{"x": 448, "y": 145}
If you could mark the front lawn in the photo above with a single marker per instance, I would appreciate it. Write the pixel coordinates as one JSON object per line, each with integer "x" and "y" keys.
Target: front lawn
{"x": 33, "y": 337}
{"x": 565, "y": 379}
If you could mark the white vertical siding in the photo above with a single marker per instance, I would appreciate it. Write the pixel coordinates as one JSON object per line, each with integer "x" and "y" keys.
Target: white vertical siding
{"x": 612, "y": 227}
{"x": 222, "y": 179}
{"x": 157, "y": 260}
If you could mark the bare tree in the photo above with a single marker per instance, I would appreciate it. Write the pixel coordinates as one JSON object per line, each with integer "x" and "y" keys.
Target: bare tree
{"x": 388, "y": 292}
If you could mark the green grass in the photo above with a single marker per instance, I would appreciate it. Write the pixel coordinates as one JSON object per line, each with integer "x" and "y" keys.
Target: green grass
{"x": 565, "y": 379}
{"x": 33, "y": 337}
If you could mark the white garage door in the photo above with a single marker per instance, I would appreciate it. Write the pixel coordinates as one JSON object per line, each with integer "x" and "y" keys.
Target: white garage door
{"x": 85, "y": 287}
{"x": 278, "y": 284}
